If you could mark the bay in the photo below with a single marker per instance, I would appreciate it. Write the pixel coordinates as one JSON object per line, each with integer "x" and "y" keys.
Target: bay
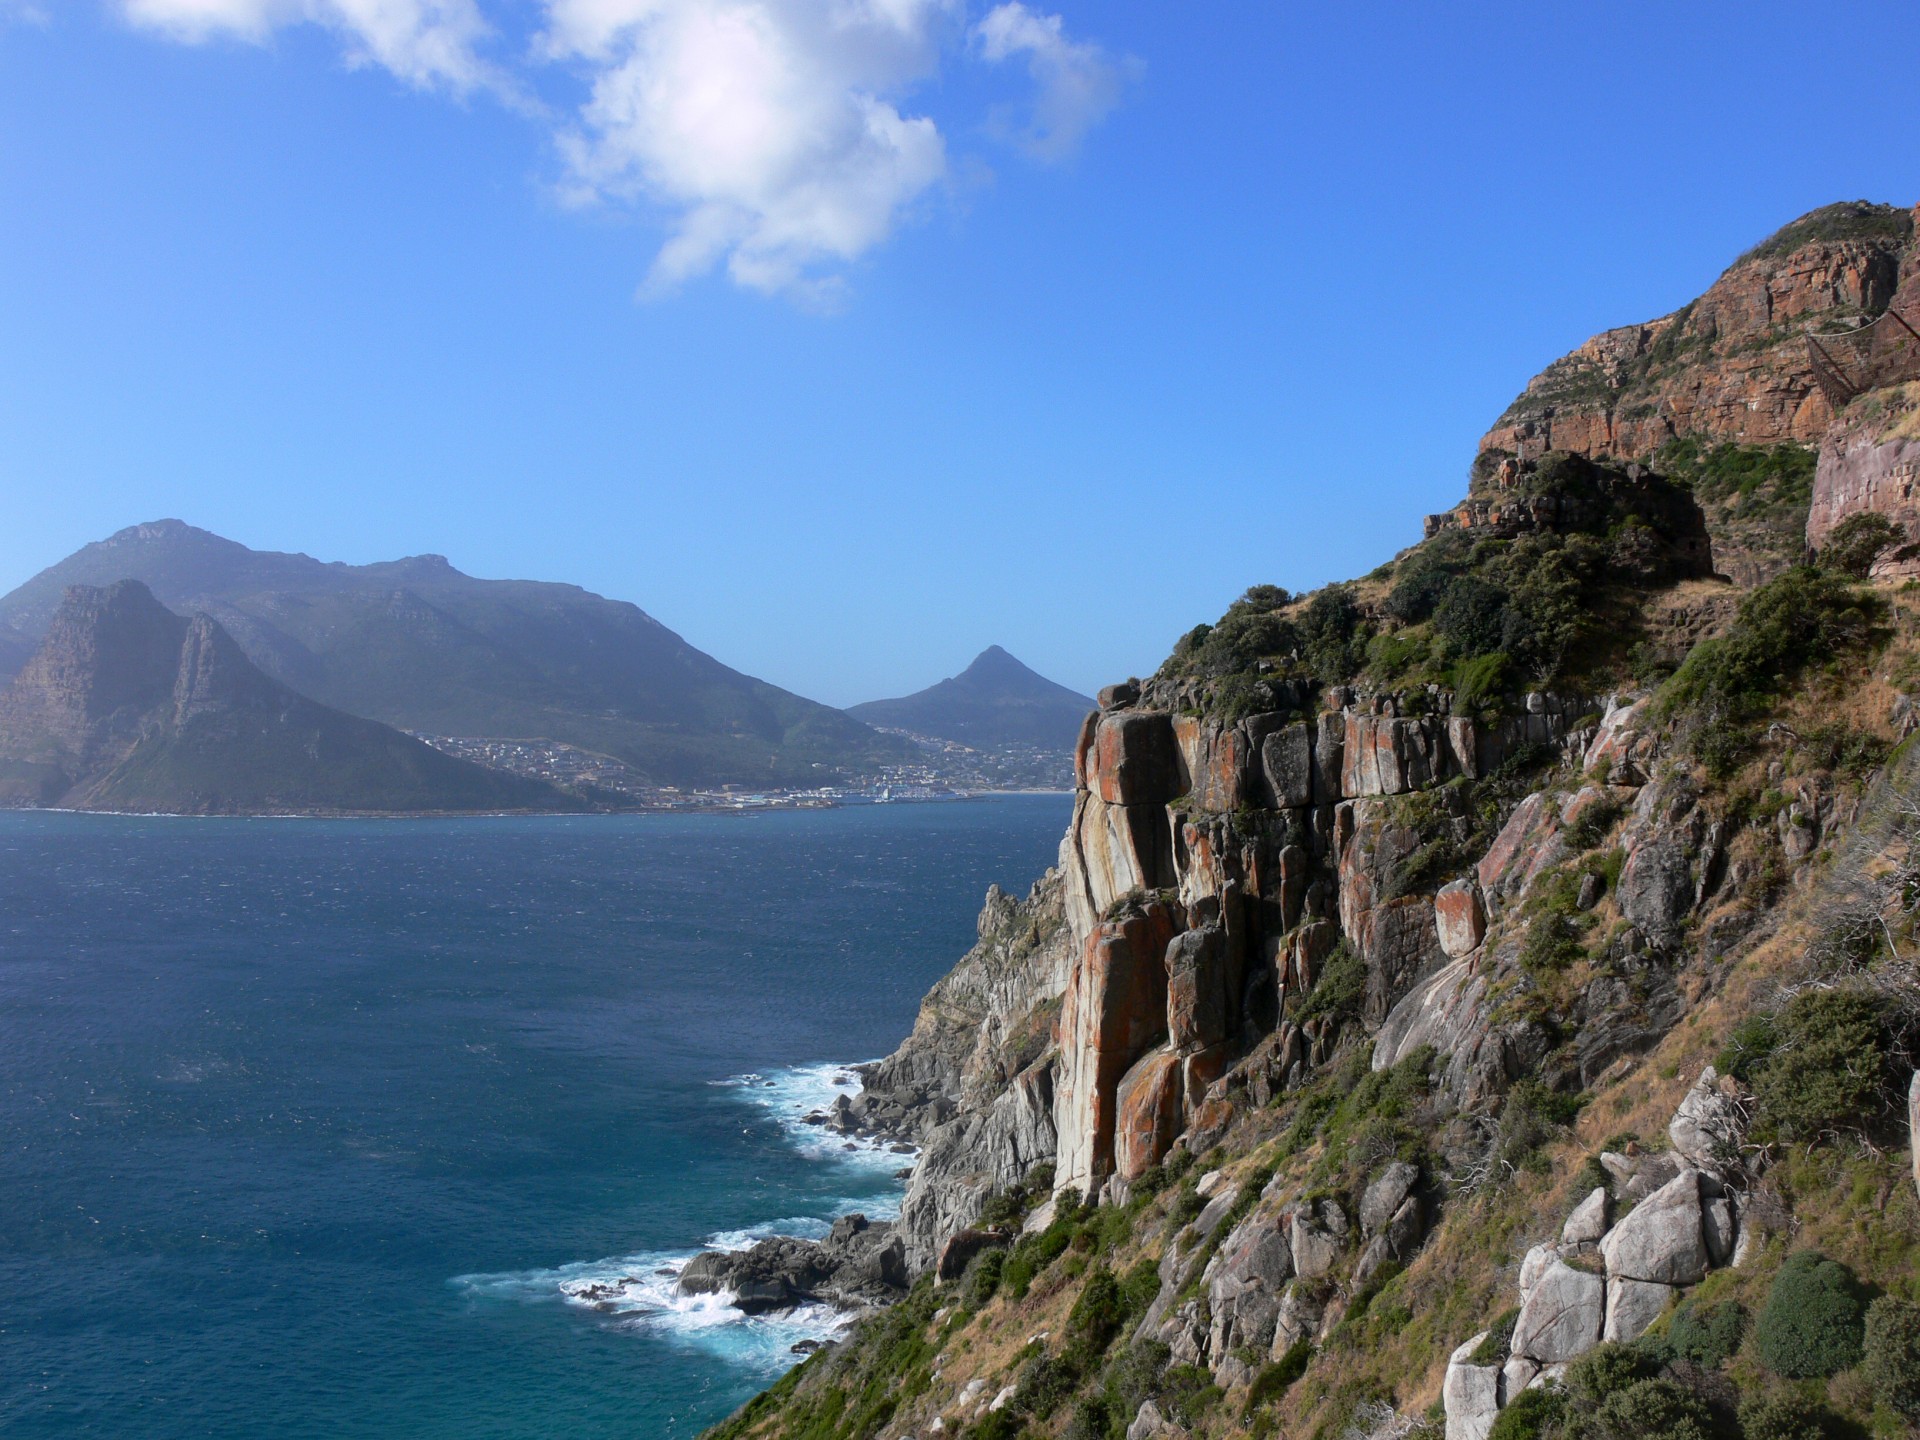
{"x": 305, "y": 1126}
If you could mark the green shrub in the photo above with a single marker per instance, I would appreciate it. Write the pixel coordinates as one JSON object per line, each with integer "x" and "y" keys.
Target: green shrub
{"x": 1783, "y": 1417}
{"x": 1726, "y": 685}
{"x": 1493, "y": 1349}
{"x": 1747, "y": 1049}
{"x": 1330, "y": 630}
{"x": 1604, "y": 1370}
{"x": 1186, "y": 1207}
{"x": 1533, "y": 1415}
{"x": 983, "y": 1278}
{"x": 1893, "y": 1353}
{"x": 1482, "y": 681}
{"x": 1827, "y": 1068}
{"x": 1091, "y": 1420}
{"x": 1648, "y": 1408}
{"x": 1340, "y": 988}
{"x": 1857, "y": 541}
{"x": 1097, "y": 1315}
{"x": 1814, "y": 1318}
{"x": 1595, "y": 821}
{"x": 1272, "y": 1382}
{"x": 1708, "y": 1335}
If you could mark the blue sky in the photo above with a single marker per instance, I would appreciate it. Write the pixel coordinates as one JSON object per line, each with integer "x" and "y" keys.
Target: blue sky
{"x": 1097, "y": 315}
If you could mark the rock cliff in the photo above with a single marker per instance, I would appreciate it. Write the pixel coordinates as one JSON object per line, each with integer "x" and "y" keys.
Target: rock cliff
{"x": 1465, "y": 995}
{"x": 1730, "y": 366}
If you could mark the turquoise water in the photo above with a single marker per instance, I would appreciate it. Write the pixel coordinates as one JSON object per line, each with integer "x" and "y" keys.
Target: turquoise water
{"x": 306, "y": 1126}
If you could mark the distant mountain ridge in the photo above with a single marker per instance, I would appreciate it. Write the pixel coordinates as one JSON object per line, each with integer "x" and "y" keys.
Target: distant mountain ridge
{"x": 416, "y": 644}
{"x": 128, "y": 706}
{"x": 995, "y": 702}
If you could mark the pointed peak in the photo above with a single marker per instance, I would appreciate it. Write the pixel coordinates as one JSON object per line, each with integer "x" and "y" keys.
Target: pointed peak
{"x": 995, "y": 661}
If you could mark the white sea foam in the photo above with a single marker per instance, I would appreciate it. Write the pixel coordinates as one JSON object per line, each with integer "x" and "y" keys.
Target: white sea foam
{"x": 641, "y": 1291}
{"x": 790, "y": 1094}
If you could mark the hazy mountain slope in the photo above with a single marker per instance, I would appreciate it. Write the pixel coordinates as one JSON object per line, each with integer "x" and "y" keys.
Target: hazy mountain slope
{"x": 996, "y": 701}
{"x": 127, "y": 706}
{"x": 417, "y": 644}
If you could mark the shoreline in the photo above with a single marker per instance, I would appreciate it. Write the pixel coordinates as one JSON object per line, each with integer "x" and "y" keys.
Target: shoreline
{"x": 636, "y": 810}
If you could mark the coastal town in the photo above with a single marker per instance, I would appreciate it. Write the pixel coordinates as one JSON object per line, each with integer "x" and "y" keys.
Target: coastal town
{"x": 944, "y": 770}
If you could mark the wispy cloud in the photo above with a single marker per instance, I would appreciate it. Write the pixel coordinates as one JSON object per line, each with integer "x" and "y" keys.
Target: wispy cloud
{"x": 1076, "y": 82}
{"x": 778, "y": 140}
{"x": 434, "y": 44}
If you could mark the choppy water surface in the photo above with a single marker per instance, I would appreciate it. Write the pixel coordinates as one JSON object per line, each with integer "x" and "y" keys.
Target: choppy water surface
{"x": 340, "y": 1128}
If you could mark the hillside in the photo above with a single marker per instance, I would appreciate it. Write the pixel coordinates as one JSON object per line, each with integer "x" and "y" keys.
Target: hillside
{"x": 994, "y": 703}
{"x": 1477, "y": 1000}
{"x": 418, "y": 645}
{"x": 127, "y": 706}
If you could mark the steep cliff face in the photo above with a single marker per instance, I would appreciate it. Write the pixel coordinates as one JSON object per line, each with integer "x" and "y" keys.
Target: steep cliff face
{"x": 973, "y": 1084}
{"x": 1870, "y": 464}
{"x": 1468, "y": 988}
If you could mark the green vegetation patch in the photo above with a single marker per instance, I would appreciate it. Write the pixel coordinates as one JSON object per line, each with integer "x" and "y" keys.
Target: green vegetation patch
{"x": 1814, "y": 1322}
{"x": 1728, "y": 685}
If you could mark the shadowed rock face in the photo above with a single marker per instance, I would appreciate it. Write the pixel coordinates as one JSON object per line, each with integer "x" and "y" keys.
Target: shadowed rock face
{"x": 127, "y": 706}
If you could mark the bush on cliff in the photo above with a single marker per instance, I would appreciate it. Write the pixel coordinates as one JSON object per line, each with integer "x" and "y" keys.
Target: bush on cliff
{"x": 1727, "y": 685}
{"x": 1708, "y": 1335}
{"x": 1859, "y": 540}
{"x": 1532, "y": 1415}
{"x": 1647, "y": 1408}
{"x": 1767, "y": 476}
{"x": 1332, "y": 633}
{"x": 1784, "y": 1417}
{"x": 1341, "y": 987}
{"x": 1825, "y": 1066}
{"x": 1892, "y": 1350}
{"x": 1814, "y": 1321}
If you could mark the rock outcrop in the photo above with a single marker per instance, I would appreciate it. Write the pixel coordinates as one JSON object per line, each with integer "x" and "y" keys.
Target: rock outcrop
{"x": 858, "y": 1266}
{"x": 1606, "y": 1279}
{"x": 1870, "y": 464}
{"x": 1731, "y": 366}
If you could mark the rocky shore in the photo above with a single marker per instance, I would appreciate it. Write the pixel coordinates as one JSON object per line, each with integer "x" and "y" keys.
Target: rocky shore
{"x": 860, "y": 1266}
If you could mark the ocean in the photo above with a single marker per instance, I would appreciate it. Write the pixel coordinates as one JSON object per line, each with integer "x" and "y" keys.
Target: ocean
{"x": 310, "y": 1127}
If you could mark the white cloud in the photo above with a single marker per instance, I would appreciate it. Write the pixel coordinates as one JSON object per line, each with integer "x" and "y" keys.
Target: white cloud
{"x": 778, "y": 138}
{"x": 430, "y": 43}
{"x": 1077, "y": 83}
{"x": 772, "y": 130}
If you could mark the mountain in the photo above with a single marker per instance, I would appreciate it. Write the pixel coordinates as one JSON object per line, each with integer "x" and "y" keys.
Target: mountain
{"x": 1478, "y": 999}
{"x": 994, "y": 703}
{"x": 1733, "y": 367}
{"x": 416, "y": 644}
{"x": 127, "y": 706}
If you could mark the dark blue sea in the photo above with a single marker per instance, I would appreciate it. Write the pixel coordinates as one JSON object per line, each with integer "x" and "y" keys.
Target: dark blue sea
{"x": 309, "y": 1128}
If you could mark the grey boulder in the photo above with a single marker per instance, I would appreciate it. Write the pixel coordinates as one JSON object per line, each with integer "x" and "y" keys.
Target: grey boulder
{"x": 1471, "y": 1394}
{"x": 1563, "y": 1316}
{"x": 1633, "y": 1305}
{"x": 1662, "y": 1240}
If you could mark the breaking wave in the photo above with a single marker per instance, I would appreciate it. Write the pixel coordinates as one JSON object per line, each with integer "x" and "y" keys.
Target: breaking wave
{"x": 640, "y": 1291}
